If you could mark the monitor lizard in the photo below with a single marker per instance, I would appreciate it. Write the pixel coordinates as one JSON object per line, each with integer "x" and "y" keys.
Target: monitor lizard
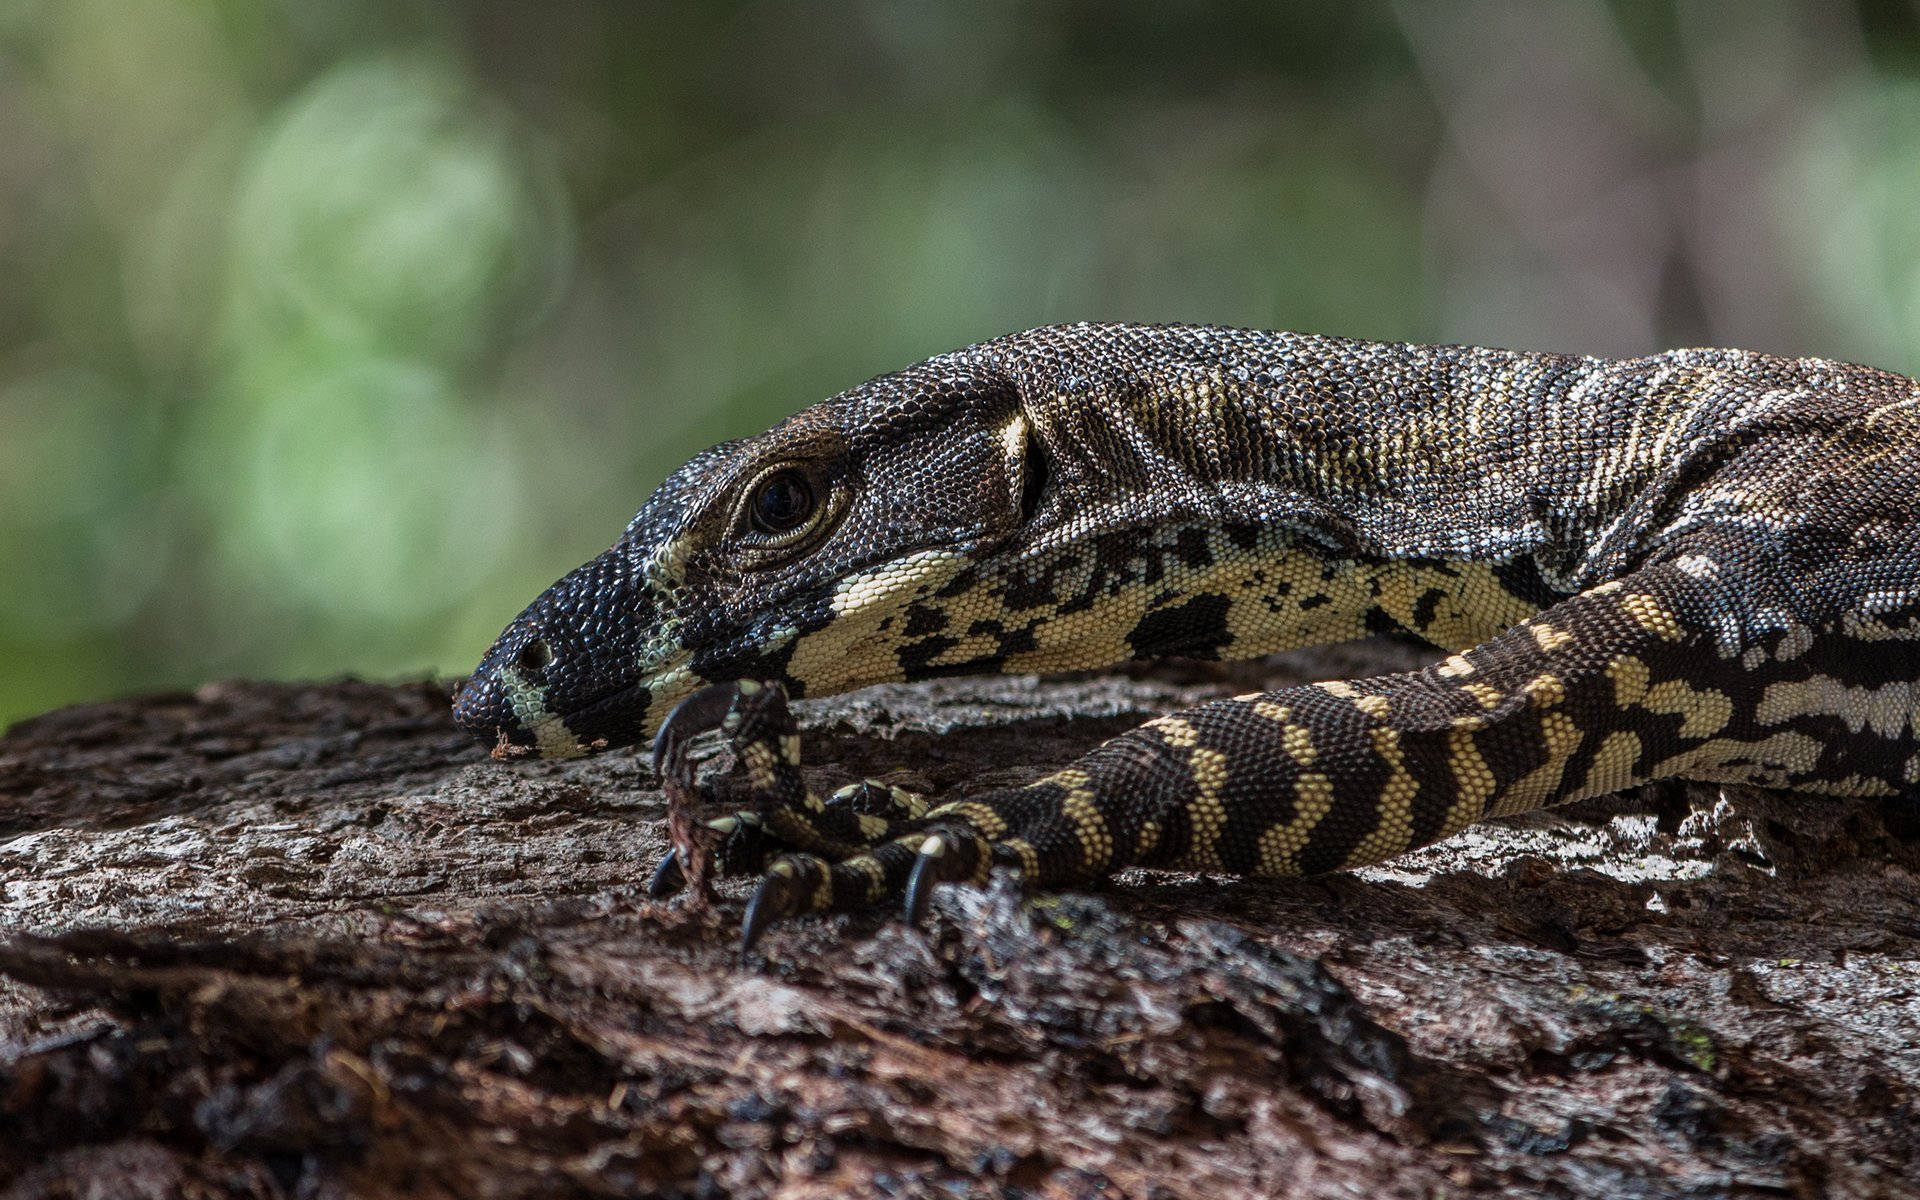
{"x": 1702, "y": 564}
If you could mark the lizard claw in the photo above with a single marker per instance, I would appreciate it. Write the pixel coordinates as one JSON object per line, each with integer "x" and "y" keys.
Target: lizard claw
{"x": 704, "y": 710}
{"x": 938, "y": 862}
{"x": 667, "y": 877}
{"x": 737, "y": 851}
{"x": 781, "y": 894}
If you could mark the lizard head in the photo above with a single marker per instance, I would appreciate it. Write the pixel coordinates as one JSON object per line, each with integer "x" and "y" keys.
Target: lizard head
{"x": 798, "y": 555}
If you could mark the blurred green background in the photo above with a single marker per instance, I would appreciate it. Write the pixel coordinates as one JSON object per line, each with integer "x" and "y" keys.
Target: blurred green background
{"x": 332, "y": 332}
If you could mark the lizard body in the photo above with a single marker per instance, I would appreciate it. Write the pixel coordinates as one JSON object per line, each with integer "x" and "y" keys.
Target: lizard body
{"x": 1702, "y": 564}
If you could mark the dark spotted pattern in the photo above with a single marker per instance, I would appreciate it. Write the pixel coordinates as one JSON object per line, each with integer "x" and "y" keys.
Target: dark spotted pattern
{"x": 1195, "y": 628}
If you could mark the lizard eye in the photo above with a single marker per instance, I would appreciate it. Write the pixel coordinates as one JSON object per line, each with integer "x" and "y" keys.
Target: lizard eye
{"x": 785, "y": 510}
{"x": 782, "y": 503}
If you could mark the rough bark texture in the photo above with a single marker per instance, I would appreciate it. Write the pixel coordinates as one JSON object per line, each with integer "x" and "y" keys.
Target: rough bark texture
{"x": 308, "y": 941}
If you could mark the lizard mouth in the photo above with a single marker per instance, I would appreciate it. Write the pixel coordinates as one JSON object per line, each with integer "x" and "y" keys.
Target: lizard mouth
{"x": 628, "y": 715}
{"x": 514, "y": 718}
{"x": 513, "y": 722}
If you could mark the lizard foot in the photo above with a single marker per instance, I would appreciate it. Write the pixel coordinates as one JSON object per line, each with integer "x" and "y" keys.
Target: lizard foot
{"x": 785, "y": 815}
{"x": 868, "y": 842}
{"x": 907, "y": 866}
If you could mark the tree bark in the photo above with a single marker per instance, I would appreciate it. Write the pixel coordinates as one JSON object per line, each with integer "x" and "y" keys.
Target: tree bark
{"x": 269, "y": 940}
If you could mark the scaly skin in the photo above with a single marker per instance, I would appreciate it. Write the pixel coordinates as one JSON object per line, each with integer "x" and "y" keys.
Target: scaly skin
{"x": 1703, "y": 564}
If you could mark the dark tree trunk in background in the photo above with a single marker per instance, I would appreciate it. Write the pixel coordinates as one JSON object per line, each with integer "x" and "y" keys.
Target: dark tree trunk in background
{"x": 308, "y": 941}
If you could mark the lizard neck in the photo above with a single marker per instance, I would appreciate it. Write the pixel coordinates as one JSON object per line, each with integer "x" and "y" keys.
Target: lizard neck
{"x": 1367, "y": 449}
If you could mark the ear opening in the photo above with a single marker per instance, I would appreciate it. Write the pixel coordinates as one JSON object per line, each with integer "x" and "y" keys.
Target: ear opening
{"x": 1036, "y": 471}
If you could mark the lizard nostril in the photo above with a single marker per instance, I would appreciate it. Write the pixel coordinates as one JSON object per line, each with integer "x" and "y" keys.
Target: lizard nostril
{"x": 534, "y": 656}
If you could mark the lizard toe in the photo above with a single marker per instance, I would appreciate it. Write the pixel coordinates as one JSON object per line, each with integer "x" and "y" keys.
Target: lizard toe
{"x": 906, "y": 866}
{"x": 870, "y": 797}
{"x": 699, "y": 713}
{"x": 942, "y": 858}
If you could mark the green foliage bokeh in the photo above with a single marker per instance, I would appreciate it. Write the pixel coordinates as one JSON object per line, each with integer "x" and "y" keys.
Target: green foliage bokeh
{"x": 331, "y": 333}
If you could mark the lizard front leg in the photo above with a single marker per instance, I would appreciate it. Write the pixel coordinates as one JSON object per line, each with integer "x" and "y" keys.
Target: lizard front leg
{"x": 1611, "y": 688}
{"x": 1606, "y": 690}
{"x": 786, "y": 814}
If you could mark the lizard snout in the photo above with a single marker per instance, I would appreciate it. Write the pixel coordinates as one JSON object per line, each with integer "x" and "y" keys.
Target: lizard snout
{"x": 483, "y": 708}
